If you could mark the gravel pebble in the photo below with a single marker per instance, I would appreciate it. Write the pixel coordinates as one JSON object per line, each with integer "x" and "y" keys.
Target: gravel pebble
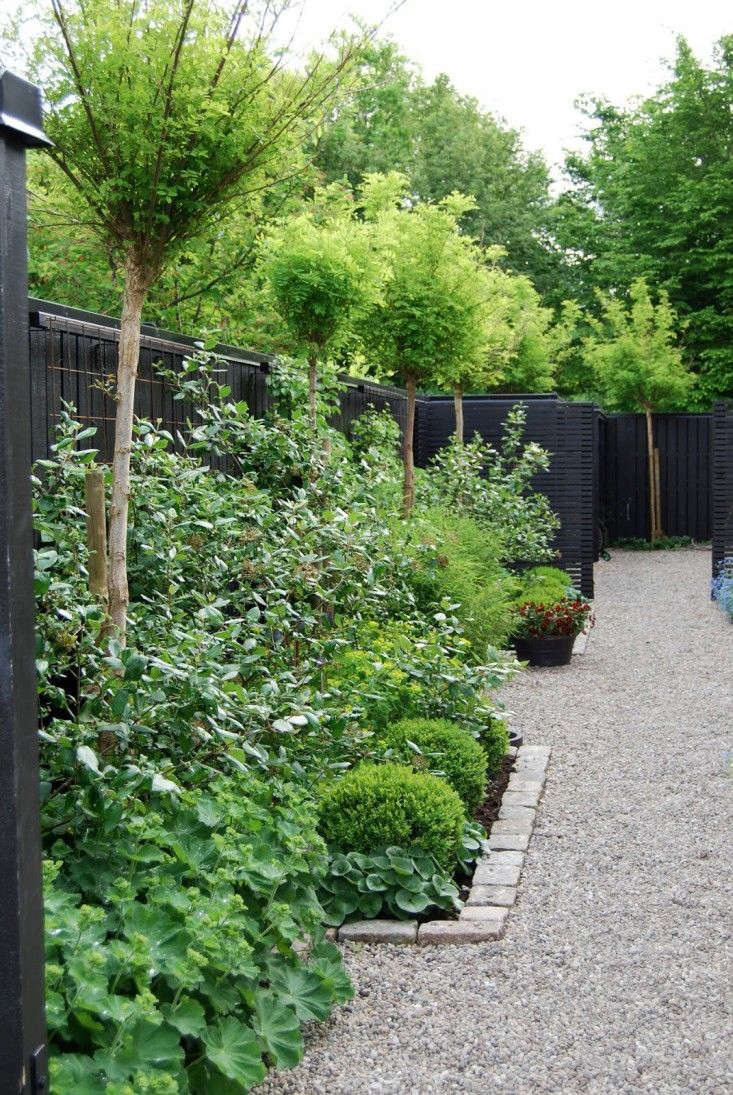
{"x": 612, "y": 974}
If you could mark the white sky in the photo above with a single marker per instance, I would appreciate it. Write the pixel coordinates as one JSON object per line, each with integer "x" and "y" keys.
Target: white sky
{"x": 529, "y": 60}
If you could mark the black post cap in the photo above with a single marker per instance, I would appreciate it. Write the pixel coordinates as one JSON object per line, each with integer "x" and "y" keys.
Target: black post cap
{"x": 20, "y": 111}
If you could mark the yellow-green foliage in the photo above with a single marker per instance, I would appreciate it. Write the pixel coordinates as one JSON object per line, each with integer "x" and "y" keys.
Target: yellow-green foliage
{"x": 543, "y": 585}
{"x": 462, "y": 565}
{"x": 382, "y": 805}
{"x": 446, "y": 750}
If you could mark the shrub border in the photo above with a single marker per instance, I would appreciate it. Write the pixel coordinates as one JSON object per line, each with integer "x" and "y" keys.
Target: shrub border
{"x": 496, "y": 877}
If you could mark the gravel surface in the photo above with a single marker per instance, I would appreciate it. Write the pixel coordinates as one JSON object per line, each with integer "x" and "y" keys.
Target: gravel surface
{"x": 612, "y": 976}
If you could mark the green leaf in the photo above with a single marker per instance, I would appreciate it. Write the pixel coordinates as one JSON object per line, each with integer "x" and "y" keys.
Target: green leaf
{"x": 232, "y": 1047}
{"x": 146, "y": 1046}
{"x": 277, "y": 1029}
{"x": 188, "y": 1017}
{"x": 73, "y": 1074}
{"x": 411, "y": 902}
{"x": 86, "y": 756}
{"x": 302, "y": 990}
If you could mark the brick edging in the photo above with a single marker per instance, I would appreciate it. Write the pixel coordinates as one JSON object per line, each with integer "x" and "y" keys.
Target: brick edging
{"x": 496, "y": 877}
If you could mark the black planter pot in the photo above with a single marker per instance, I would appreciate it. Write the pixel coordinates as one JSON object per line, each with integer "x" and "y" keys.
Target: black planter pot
{"x": 548, "y": 650}
{"x": 516, "y": 737}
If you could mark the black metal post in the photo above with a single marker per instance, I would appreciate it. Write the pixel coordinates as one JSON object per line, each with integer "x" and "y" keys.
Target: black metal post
{"x": 22, "y": 1024}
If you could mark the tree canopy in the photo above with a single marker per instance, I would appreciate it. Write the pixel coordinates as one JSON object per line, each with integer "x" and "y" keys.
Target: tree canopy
{"x": 653, "y": 198}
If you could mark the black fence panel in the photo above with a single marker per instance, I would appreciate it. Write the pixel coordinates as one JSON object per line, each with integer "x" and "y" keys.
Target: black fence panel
{"x": 684, "y": 443}
{"x": 722, "y": 483}
{"x": 74, "y": 360}
{"x": 358, "y": 396}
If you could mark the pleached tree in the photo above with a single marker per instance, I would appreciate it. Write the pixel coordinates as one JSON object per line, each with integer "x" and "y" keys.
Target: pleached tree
{"x": 162, "y": 114}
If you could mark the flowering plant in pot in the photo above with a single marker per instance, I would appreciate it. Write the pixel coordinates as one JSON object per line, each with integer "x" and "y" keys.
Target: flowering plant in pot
{"x": 544, "y": 633}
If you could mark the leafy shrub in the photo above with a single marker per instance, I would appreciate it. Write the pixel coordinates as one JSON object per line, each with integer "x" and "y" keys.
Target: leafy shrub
{"x": 444, "y": 748}
{"x": 400, "y": 668}
{"x": 494, "y": 487}
{"x": 462, "y": 566}
{"x": 663, "y": 543}
{"x": 382, "y": 805}
{"x": 398, "y": 882}
{"x": 170, "y": 923}
{"x": 494, "y": 739}
{"x": 542, "y": 585}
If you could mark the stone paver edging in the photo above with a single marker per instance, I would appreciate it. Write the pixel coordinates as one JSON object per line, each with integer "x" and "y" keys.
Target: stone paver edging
{"x": 496, "y": 877}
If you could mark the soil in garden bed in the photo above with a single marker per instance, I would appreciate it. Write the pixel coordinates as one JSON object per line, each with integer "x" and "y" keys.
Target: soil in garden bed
{"x": 488, "y": 811}
{"x": 487, "y": 814}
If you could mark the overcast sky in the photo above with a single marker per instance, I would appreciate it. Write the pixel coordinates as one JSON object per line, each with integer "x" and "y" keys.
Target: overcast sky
{"x": 529, "y": 60}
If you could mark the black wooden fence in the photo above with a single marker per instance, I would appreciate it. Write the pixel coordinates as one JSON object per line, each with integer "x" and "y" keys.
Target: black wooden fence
{"x": 74, "y": 355}
{"x": 722, "y": 430}
{"x": 684, "y": 443}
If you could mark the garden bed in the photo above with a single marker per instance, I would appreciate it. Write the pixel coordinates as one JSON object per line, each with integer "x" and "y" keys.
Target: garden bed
{"x": 511, "y": 806}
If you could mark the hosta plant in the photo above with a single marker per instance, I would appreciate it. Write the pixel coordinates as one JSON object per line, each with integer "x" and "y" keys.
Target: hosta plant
{"x": 393, "y": 881}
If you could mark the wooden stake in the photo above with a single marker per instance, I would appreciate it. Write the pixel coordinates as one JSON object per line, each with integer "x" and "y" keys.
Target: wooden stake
{"x": 96, "y": 533}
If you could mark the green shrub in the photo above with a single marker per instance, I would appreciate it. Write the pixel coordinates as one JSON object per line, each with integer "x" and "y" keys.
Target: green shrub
{"x": 494, "y": 741}
{"x": 444, "y": 749}
{"x": 543, "y": 585}
{"x": 548, "y": 574}
{"x": 457, "y": 559}
{"x": 381, "y": 805}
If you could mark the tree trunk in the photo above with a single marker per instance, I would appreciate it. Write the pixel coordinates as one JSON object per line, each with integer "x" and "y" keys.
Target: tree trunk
{"x": 135, "y": 291}
{"x": 652, "y": 476}
{"x": 458, "y": 403}
{"x": 312, "y": 384}
{"x": 408, "y": 458}
{"x": 658, "y": 494}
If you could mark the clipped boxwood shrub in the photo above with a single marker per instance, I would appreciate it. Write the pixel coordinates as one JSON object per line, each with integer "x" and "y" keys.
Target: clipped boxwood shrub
{"x": 446, "y": 750}
{"x": 378, "y": 805}
{"x": 494, "y": 741}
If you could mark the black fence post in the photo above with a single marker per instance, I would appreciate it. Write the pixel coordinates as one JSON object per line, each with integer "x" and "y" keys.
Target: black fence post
{"x": 22, "y": 1024}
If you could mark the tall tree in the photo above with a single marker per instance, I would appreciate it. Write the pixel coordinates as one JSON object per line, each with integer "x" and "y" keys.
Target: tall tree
{"x": 637, "y": 366}
{"x": 430, "y": 315}
{"x": 320, "y": 268}
{"x": 442, "y": 141}
{"x": 161, "y": 113}
{"x": 653, "y": 198}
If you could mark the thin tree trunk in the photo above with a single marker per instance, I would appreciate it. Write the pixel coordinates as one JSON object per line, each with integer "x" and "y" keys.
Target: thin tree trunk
{"x": 458, "y": 403}
{"x": 408, "y": 458}
{"x": 135, "y": 291}
{"x": 652, "y": 477}
{"x": 312, "y": 386}
{"x": 658, "y": 494}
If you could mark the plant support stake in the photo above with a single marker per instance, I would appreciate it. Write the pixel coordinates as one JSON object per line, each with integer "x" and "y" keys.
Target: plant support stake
{"x": 22, "y": 1024}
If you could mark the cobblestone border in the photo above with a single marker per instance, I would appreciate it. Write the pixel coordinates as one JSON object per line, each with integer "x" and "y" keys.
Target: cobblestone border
{"x": 494, "y": 886}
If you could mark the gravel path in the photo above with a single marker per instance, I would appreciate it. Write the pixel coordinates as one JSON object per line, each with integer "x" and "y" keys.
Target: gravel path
{"x": 612, "y": 975}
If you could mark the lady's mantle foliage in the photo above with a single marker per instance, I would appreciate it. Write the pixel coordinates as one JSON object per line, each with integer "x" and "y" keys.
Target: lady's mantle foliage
{"x": 170, "y": 923}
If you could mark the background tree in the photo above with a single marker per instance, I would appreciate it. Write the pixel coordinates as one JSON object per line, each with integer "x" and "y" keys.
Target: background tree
{"x": 319, "y": 268}
{"x": 429, "y": 316}
{"x": 441, "y": 141}
{"x": 637, "y": 366}
{"x": 653, "y": 198}
{"x": 161, "y": 113}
